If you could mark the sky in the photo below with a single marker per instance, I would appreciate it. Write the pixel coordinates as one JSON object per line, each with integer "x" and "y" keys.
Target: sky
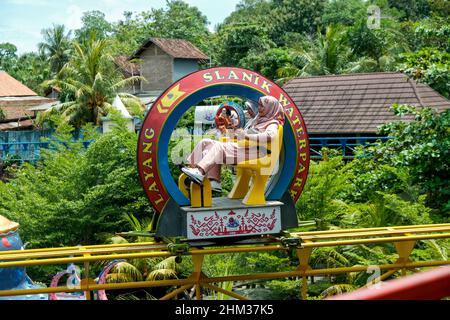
{"x": 21, "y": 21}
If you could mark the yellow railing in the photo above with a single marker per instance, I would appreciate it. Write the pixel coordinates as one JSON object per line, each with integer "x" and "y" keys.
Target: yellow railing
{"x": 403, "y": 237}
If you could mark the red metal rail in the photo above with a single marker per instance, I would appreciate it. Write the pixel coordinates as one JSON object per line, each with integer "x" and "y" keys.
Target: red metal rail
{"x": 428, "y": 285}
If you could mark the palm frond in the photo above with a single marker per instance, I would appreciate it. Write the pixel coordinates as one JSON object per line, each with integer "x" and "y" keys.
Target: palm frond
{"x": 168, "y": 263}
{"x": 161, "y": 274}
{"x": 337, "y": 289}
{"x": 131, "y": 296}
{"x": 440, "y": 250}
{"x": 125, "y": 270}
{"x": 126, "y": 82}
{"x": 118, "y": 240}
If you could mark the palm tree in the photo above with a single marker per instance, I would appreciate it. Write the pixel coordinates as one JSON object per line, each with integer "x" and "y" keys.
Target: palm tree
{"x": 56, "y": 46}
{"x": 149, "y": 269}
{"x": 328, "y": 54}
{"x": 92, "y": 80}
{"x": 379, "y": 48}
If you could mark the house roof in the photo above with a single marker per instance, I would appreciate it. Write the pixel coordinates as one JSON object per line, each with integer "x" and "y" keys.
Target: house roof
{"x": 129, "y": 68}
{"x": 10, "y": 87}
{"x": 16, "y": 125}
{"x": 15, "y": 108}
{"x": 177, "y": 48}
{"x": 44, "y": 106}
{"x": 357, "y": 103}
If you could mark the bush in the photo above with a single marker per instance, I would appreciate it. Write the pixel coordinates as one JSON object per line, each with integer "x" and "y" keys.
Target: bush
{"x": 76, "y": 196}
{"x": 430, "y": 66}
{"x": 422, "y": 146}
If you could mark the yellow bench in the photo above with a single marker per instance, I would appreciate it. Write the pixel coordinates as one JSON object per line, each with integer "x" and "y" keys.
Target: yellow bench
{"x": 259, "y": 170}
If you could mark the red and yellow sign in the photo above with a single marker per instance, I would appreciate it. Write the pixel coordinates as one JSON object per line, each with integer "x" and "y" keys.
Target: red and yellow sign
{"x": 154, "y": 137}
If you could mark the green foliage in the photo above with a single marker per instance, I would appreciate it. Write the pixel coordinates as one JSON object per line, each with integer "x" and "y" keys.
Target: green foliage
{"x": 30, "y": 68}
{"x": 412, "y": 9}
{"x": 344, "y": 12}
{"x": 75, "y": 196}
{"x": 440, "y": 8}
{"x": 7, "y": 51}
{"x": 267, "y": 262}
{"x": 268, "y": 62}
{"x": 431, "y": 66}
{"x": 381, "y": 46}
{"x": 177, "y": 20}
{"x": 433, "y": 33}
{"x": 92, "y": 78}
{"x": 423, "y": 147}
{"x": 93, "y": 22}
{"x": 56, "y": 47}
{"x": 363, "y": 193}
{"x": 321, "y": 199}
{"x": 370, "y": 175}
{"x": 187, "y": 120}
{"x": 296, "y": 16}
{"x": 389, "y": 210}
{"x": 235, "y": 41}
{"x": 283, "y": 290}
{"x": 403, "y": 181}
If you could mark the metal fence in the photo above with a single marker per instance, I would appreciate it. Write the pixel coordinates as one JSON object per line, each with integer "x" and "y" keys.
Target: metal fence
{"x": 26, "y": 145}
{"x": 404, "y": 238}
{"x": 345, "y": 145}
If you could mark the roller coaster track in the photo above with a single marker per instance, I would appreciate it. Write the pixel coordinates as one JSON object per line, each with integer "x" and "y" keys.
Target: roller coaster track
{"x": 404, "y": 239}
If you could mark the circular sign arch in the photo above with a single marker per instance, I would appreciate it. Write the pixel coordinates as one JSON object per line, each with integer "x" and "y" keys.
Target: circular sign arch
{"x": 161, "y": 120}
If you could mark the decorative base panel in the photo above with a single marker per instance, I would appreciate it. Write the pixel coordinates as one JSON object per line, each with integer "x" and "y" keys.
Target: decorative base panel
{"x": 225, "y": 222}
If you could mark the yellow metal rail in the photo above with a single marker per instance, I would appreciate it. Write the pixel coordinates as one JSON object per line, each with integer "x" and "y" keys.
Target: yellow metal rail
{"x": 403, "y": 237}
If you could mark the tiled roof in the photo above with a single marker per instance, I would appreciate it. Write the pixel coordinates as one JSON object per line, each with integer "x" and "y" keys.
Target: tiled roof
{"x": 10, "y": 87}
{"x": 177, "y": 48}
{"x": 131, "y": 69}
{"x": 357, "y": 103}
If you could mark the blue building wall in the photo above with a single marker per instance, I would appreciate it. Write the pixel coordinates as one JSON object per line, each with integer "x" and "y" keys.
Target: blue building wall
{"x": 182, "y": 67}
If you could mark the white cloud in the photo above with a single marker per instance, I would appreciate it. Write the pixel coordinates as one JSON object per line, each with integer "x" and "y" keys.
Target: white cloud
{"x": 39, "y": 3}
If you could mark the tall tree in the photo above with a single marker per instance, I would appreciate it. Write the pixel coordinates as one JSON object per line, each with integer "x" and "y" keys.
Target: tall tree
{"x": 412, "y": 9}
{"x": 92, "y": 79}
{"x": 440, "y": 8}
{"x": 328, "y": 54}
{"x": 179, "y": 20}
{"x": 176, "y": 20}
{"x": 56, "y": 46}
{"x": 345, "y": 12}
{"x": 32, "y": 69}
{"x": 93, "y": 22}
{"x": 429, "y": 65}
{"x": 296, "y": 16}
{"x": 234, "y": 42}
{"x": 8, "y": 56}
{"x": 7, "y": 51}
{"x": 382, "y": 46}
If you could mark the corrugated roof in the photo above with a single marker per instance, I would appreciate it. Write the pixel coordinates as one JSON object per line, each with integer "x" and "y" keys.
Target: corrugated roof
{"x": 10, "y": 87}
{"x": 357, "y": 103}
{"x": 16, "y": 125}
{"x": 177, "y": 48}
